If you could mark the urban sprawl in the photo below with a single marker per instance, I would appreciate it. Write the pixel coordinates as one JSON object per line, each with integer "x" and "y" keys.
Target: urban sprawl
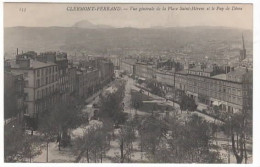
{"x": 151, "y": 104}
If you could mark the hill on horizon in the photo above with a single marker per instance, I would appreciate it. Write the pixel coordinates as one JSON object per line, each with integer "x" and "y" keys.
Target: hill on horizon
{"x": 100, "y": 40}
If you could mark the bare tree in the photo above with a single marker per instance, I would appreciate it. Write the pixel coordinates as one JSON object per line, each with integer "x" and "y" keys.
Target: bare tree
{"x": 18, "y": 145}
{"x": 239, "y": 126}
{"x": 48, "y": 129}
{"x": 92, "y": 145}
{"x": 126, "y": 139}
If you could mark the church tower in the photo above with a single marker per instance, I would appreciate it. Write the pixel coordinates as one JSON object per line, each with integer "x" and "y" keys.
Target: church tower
{"x": 242, "y": 51}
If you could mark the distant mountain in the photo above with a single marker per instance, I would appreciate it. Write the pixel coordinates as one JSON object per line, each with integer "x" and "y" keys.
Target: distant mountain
{"x": 101, "y": 40}
{"x": 89, "y": 25}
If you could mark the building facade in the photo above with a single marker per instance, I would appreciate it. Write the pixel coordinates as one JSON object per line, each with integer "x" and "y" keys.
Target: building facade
{"x": 230, "y": 95}
{"x": 127, "y": 66}
{"x": 106, "y": 69}
{"x": 14, "y": 95}
{"x": 144, "y": 70}
{"x": 41, "y": 83}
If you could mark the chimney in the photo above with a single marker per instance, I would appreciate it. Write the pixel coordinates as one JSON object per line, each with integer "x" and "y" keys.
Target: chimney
{"x": 23, "y": 62}
{"x": 17, "y": 51}
{"x": 7, "y": 66}
{"x": 227, "y": 69}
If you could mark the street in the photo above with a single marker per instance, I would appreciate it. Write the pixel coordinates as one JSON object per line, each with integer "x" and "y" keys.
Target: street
{"x": 67, "y": 155}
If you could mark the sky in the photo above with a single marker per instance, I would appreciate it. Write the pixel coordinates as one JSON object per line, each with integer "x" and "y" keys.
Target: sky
{"x": 61, "y": 14}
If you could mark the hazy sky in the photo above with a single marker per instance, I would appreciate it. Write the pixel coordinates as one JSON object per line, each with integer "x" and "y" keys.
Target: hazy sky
{"x": 53, "y": 14}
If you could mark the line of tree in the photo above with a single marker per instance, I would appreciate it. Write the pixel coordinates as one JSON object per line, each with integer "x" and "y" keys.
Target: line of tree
{"x": 96, "y": 140}
{"x": 178, "y": 141}
{"x": 55, "y": 123}
{"x": 238, "y": 127}
{"x": 187, "y": 103}
{"x": 112, "y": 105}
{"x": 154, "y": 88}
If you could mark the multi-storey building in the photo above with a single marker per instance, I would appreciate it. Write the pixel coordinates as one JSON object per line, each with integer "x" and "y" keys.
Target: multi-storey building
{"x": 64, "y": 72}
{"x": 81, "y": 80}
{"x": 41, "y": 83}
{"x": 144, "y": 70}
{"x": 13, "y": 94}
{"x": 92, "y": 81}
{"x": 231, "y": 91}
{"x": 127, "y": 65}
{"x": 230, "y": 95}
{"x": 180, "y": 80}
{"x": 166, "y": 80}
{"x": 87, "y": 82}
{"x": 106, "y": 69}
{"x": 116, "y": 61}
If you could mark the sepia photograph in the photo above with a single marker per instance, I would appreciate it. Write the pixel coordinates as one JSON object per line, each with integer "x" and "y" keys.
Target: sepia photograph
{"x": 128, "y": 83}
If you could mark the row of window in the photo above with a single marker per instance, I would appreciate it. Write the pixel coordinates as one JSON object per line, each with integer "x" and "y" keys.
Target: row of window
{"x": 46, "y": 71}
{"x": 47, "y": 80}
{"x": 46, "y": 91}
{"x": 218, "y": 88}
{"x": 223, "y": 97}
{"x": 44, "y": 104}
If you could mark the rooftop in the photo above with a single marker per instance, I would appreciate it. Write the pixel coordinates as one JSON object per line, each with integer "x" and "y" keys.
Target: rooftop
{"x": 182, "y": 72}
{"x": 199, "y": 69}
{"x": 38, "y": 64}
{"x": 14, "y": 72}
{"x": 129, "y": 61}
{"x": 33, "y": 64}
{"x": 220, "y": 76}
{"x": 240, "y": 71}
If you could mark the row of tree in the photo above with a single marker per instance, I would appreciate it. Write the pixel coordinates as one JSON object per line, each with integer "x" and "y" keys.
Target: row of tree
{"x": 177, "y": 141}
{"x": 95, "y": 141}
{"x": 53, "y": 124}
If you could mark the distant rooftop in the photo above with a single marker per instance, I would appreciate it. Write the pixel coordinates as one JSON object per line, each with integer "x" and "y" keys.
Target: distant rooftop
{"x": 38, "y": 64}
{"x": 181, "y": 72}
{"x": 199, "y": 69}
{"x": 220, "y": 76}
{"x": 129, "y": 61}
{"x": 240, "y": 71}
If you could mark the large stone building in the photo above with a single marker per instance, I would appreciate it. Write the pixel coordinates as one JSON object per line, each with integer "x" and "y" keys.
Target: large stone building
{"x": 166, "y": 80}
{"x": 231, "y": 95}
{"x": 60, "y": 58}
{"x": 72, "y": 73}
{"x": 87, "y": 82}
{"x": 115, "y": 60}
{"x": 144, "y": 70}
{"x": 127, "y": 66}
{"x": 41, "y": 83}
{"x": 231, "y": 91}
{"x": 14, "y": 95}
{"x": 106, "y": 69}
